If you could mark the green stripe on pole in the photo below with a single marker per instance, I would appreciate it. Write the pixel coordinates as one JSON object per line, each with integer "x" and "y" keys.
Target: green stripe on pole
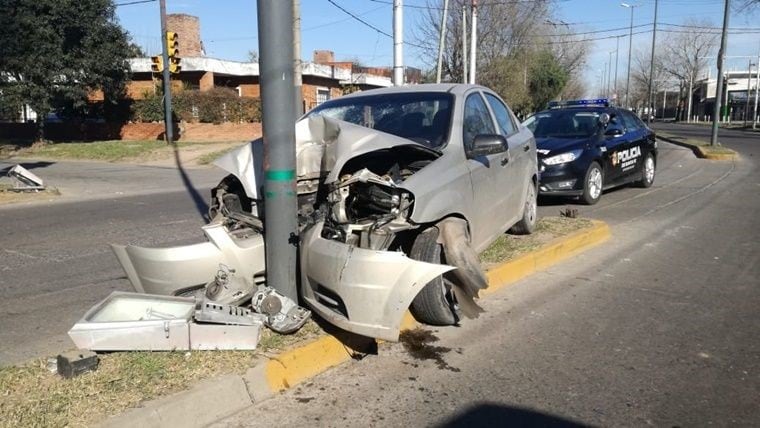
{"x": 281, "y": 174}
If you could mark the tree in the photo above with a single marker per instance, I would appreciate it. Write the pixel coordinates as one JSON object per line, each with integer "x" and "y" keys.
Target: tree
{"x": 54, "y": 53}
{"x": 640, "y": 76}
{"x": 253, "y": 56}
{"x": 547, "y": 79}
{"x": 686, "y": 55}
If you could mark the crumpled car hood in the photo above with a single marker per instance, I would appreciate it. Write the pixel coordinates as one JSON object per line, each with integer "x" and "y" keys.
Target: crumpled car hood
{"x": 323, "y": 146}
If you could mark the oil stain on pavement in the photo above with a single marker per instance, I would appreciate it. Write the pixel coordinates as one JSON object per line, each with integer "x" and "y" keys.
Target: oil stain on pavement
{"x": 417, "y": 343}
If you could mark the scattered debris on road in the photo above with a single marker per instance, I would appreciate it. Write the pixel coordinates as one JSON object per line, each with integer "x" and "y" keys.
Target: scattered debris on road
{"x": 24, "y": 180}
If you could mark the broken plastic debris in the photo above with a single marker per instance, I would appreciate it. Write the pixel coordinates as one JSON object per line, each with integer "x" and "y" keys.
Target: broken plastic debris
{"x": 283, "y": 315}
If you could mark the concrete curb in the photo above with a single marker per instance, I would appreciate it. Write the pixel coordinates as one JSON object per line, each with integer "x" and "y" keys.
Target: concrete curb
{"x": 700, "y": 151}
{"x": 214, "y": 399}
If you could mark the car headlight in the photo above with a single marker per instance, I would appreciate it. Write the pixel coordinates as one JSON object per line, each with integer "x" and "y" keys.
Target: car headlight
{"x": 563, "y": 158}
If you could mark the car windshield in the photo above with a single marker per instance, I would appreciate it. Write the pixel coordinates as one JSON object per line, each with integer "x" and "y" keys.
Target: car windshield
{"x": 564, "y": 123}
{"x": 423, "y": 117}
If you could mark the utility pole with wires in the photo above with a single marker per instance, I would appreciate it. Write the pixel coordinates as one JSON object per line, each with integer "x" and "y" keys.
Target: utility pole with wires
{"x": 650, "y": 100}
{"x": 298, "y": 79}
{"x": 473, "y": 41}
{"x": 617, "y": 52}
{"x": 398, "y": 43}
{"x": 630, "y": 49}
{"x": 168, "y": 123}
{"x": 719, "y": 88}
{"x": 464, "y": 43}
{"x": 441, "y": 41}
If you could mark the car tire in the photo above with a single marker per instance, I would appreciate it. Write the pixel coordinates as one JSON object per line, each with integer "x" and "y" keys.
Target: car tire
{"x": 530, "y": 213}
{"x": 593, "y": 183}
{"x": 647, "y": 172}
{"x": 434, "y": 303}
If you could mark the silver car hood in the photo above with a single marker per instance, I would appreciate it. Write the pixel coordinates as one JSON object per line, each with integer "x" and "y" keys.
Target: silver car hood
{"x": 323, "y": 146}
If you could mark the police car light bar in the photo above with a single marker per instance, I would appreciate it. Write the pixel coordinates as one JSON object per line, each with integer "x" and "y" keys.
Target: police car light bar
{"x": 599, "y": 102}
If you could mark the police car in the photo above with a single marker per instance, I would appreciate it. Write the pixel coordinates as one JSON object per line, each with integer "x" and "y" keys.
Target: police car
{"x": 587, "y": 146}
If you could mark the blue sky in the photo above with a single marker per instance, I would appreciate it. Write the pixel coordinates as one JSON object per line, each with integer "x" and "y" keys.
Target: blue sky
{"x": 228, "y": 27}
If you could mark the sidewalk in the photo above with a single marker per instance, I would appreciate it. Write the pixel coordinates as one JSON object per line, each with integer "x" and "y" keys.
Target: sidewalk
{"x": 84, "y": 180}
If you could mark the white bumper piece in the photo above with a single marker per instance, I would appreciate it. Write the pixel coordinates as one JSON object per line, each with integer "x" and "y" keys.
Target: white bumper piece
{"x": 362, "y": 291}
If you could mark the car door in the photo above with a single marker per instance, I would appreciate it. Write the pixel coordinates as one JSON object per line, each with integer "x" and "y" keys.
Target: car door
{"x": 520, "y": 153}
{"x": 614, "y": 145}
{"x": 631, "y": 159}
{"x": 489, "y": 174}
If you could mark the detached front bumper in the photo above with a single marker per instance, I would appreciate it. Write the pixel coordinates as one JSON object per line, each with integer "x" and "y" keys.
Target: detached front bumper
{"x": 362, "y": 291}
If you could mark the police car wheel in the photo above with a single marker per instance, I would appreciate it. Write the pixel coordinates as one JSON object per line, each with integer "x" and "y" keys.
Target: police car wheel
{"x": 593, "y": 184}
{"x": 434, "y": 304}
{"x": 647, "y": 172}
{"x": 528, "y": 221}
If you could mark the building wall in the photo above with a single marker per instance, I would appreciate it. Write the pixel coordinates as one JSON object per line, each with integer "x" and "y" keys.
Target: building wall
{"x": 136, "y": 89}
{"x": 188, "y": 29}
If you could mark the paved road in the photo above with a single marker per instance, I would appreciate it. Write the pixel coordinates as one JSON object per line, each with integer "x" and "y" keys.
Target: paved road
{"x": 659, "y": 326}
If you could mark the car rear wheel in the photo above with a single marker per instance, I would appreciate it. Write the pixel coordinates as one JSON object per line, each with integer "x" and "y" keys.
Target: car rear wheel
{"x": 593, "y": 184}
{"x": 647, "y": 172}
{"x": 528, "y": 221}
{"x": 435, "y": 303}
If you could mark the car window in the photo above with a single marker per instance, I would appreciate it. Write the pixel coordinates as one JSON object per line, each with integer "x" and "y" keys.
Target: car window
{"x": 423, "y": 117}
{"x": 564, "y": 123}
{"x": 630, "y": 121}
{"x": 503, "y": 118}
{"x": 477, "y": 120}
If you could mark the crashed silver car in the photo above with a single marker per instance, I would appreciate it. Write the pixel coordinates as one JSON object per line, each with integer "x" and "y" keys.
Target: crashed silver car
{"x": 398, "y": 189}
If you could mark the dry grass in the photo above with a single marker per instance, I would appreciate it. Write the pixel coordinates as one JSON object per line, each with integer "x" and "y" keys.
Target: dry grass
{"x": 9, "y": 196}
{"x": 30, "y": 395}
{"x": 508, "y": 247}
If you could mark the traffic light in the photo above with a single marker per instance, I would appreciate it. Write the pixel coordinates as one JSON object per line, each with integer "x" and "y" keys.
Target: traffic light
{"x": 156, "y": 64}
{"x": 172, "y": 47}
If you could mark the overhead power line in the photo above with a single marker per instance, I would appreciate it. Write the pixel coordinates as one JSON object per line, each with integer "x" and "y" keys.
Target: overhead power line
{"x": 134, "y": 2}
{"x": 357, "y": 18}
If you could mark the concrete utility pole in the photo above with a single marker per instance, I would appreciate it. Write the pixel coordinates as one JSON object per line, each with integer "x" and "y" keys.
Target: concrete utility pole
{"x": 398, "y": 43}
{"x": 617, "y": 53}
{"x": 757, "y": 94}
{"x": 441, "y": 41}
{"x": 168, "y": 124}
{"x": 298, "y": 80}
{"x": 650, "y": 99}
{"x": 630, "y": 49}
{"x": 721, "y": 59}
{"x": 275, "y": 22}
{"x": 473, "y": 41}
{"x": 749, "y": 89}
{"x": 609, "y": 77}
{"x": 464, "y": 43}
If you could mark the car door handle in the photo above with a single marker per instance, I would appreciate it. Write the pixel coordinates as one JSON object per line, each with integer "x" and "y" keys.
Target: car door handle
{"x": 504, "y": 161}
{"x": 526, "y": 148}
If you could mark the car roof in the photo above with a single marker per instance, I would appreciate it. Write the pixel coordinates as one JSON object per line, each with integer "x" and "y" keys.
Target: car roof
{"x": 453, "y": 88}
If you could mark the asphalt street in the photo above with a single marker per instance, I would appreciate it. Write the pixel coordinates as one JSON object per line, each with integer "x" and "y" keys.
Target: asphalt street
{"x": 658, "y": 326}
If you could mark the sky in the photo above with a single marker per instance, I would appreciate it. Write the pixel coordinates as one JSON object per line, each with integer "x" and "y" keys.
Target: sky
{"x": 228, "y": 28}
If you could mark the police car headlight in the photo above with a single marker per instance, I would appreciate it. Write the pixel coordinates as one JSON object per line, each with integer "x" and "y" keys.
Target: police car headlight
{"x": 563, "y": 158}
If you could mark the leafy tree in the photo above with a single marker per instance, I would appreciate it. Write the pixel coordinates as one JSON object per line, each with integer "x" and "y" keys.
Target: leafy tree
{"x": 53, "y": 53}
{"x": 547, "y": 78}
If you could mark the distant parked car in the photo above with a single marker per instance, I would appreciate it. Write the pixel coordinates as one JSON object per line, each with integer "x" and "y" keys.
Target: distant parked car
{"x": 587, "y": 146}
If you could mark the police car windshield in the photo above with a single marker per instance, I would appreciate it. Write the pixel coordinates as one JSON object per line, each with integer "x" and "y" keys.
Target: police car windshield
{"x": 564, "y": 123}
{"x": 423, "y": 117}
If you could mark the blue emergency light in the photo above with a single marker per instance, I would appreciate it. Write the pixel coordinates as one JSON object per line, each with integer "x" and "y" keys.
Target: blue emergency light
{"x": 598, "y": 102}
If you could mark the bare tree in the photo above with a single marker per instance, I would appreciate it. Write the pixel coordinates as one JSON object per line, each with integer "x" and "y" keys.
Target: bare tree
{"x": 685, "y": 56}
{"x": 640, "y": 76}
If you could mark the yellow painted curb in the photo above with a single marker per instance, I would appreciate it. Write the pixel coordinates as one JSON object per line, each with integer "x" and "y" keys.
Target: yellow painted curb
{"x": 555, "y": 251}
{"x": 297, "y": 365}
{"x": 717, "y": 156}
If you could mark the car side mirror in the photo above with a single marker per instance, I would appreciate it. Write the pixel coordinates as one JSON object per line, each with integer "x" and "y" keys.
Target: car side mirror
{"x": 613, "y": 132}
{"x": 488, "y": 144}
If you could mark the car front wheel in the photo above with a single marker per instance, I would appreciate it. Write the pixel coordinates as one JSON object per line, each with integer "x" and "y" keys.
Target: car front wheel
{"x": 593, "y": 184}
{"x": 435, "y": 303}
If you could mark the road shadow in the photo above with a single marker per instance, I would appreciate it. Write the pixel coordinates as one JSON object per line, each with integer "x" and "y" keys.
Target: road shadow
{"x": 199, "y": 200}
{"x": 497, "y": 415}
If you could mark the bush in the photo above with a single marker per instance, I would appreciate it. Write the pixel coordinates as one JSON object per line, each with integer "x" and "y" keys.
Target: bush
{"x": 217, "y": 105}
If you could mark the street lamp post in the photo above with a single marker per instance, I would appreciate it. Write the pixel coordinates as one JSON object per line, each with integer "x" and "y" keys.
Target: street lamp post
{"x": 630, "y": 45}
{"x": 719, "y": 87}
{"x": 650, "y": 99}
